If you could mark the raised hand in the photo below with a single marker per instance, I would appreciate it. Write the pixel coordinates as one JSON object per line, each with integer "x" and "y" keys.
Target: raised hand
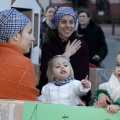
{"x": 72, "y": 48}
{"x": 85, "y": 82}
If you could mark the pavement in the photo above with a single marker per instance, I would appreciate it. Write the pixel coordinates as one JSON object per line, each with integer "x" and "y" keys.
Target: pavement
{"x": 112, "y": 31}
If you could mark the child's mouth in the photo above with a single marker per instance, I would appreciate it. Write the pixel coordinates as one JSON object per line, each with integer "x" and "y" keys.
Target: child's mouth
{"x": 63, "y": 71}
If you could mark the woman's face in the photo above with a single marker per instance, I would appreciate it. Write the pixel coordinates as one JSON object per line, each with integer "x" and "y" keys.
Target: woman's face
{"x": 83, "y": 19}
{"x": 117, "y": 69}
{"x": 25, "y": 38}
{"x": 66, "y": 26}
{"x": 49, "y": 13}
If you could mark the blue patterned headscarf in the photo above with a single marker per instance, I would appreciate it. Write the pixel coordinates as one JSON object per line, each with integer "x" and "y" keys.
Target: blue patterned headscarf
{"x": 11, "y": 22}
{"x": 59, "y": 13}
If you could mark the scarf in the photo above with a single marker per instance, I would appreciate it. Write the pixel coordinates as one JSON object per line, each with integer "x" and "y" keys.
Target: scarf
{"x": 62, "y": 82}
{"x": 59, "y": 13}
{"x": 113, "y": 87}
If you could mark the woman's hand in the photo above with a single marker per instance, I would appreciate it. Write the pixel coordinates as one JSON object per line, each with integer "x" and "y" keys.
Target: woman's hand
{"x": 103, "y": 100}
{"x": 72, "y": 48}
{"x": 112, "y": 108}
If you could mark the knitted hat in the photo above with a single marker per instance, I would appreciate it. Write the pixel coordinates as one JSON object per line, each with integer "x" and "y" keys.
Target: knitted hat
{"x": 59, "y": 13}
{"x": 11, "y": 22}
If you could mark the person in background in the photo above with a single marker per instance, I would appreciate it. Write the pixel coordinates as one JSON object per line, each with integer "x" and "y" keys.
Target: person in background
{"x": 61, "y": 38}
{"x": 93, "y": 36}
{"x": 17, "y": 76}
{"x": 45, "y": 21}
{"x": 108, "y": 94}
{"x": 62, "y": 88}
{"x": 44, "y": 25}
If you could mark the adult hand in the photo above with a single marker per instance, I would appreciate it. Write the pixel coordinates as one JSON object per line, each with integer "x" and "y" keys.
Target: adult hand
{"x": 85, "y": 82}
{"x": 112, "y": 108}
{"x": 72, "y": 48}
{"x": 103, "y": 100}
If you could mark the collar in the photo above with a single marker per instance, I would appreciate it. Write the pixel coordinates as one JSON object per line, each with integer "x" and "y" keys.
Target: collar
{"x": 10, "y": 47}
{"x": 62, "y": 82}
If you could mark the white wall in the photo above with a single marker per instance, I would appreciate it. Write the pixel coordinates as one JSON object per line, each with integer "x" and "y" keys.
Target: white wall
{"x": 5, "y": 4}
{"x": 44, "y": 3}
{"x": 31, "y": 4}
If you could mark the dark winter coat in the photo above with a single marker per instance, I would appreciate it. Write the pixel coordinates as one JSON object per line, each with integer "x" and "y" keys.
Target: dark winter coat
{"x": 95, "y": 39}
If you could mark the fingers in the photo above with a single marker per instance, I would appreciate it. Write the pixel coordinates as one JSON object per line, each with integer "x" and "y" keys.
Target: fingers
{"x": 97, "y": 104}
{"x": 102, "y": 100}
{"x": 108, "y": 100}
{"x": 86, "y": 85}
{"x": 102, "y": 104}
{"x": 86, "y": 78}
{"x": 76, "y": 43}
{"x": 85, "y": 82}
{"x": 72, "y": 48}
{"x": 68, "y": 42}
{"x": 112, "y": 109}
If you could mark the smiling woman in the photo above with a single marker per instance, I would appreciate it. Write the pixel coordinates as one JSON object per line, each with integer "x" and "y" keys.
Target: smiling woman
{"x": 61, "y": 38}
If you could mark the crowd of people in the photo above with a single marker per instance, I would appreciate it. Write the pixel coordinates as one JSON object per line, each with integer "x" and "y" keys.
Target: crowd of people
{"x": 70, "y": 41}
{"x": 61, "y": 38}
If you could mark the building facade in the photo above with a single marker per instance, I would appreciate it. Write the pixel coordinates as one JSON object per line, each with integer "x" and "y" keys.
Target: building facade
{"x": 113, "y": 12}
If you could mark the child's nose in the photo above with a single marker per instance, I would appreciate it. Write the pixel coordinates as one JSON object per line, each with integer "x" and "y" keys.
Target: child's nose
{"x": 62, "y": 67}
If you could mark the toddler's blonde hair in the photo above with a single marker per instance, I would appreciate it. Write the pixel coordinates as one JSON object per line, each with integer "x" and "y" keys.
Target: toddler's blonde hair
{"x": 50, "y": 68}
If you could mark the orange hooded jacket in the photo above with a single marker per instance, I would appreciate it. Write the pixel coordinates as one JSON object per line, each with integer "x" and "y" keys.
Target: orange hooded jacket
{"x": 17, "y": 76}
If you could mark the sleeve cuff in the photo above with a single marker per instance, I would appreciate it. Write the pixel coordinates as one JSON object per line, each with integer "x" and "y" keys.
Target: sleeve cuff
{"x": 117, "y": 102}
{"x": 96, "y": 94}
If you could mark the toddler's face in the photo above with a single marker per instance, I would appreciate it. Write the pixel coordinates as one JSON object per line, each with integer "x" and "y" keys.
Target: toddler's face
{"x": 117, "y": 68}
{"x": 61, "y": 68}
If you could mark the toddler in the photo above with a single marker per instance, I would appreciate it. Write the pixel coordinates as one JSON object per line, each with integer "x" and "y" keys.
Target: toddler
{"x": 108, "y": 94}
{"x": 62, "y": 87}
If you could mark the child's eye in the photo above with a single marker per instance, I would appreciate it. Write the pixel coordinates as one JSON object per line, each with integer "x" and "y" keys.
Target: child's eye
{"x": 30, "y": 32}
{"x": 118, "y": 65}
{"x": 57, "y": 66}
{"x": 65, "y": 65}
